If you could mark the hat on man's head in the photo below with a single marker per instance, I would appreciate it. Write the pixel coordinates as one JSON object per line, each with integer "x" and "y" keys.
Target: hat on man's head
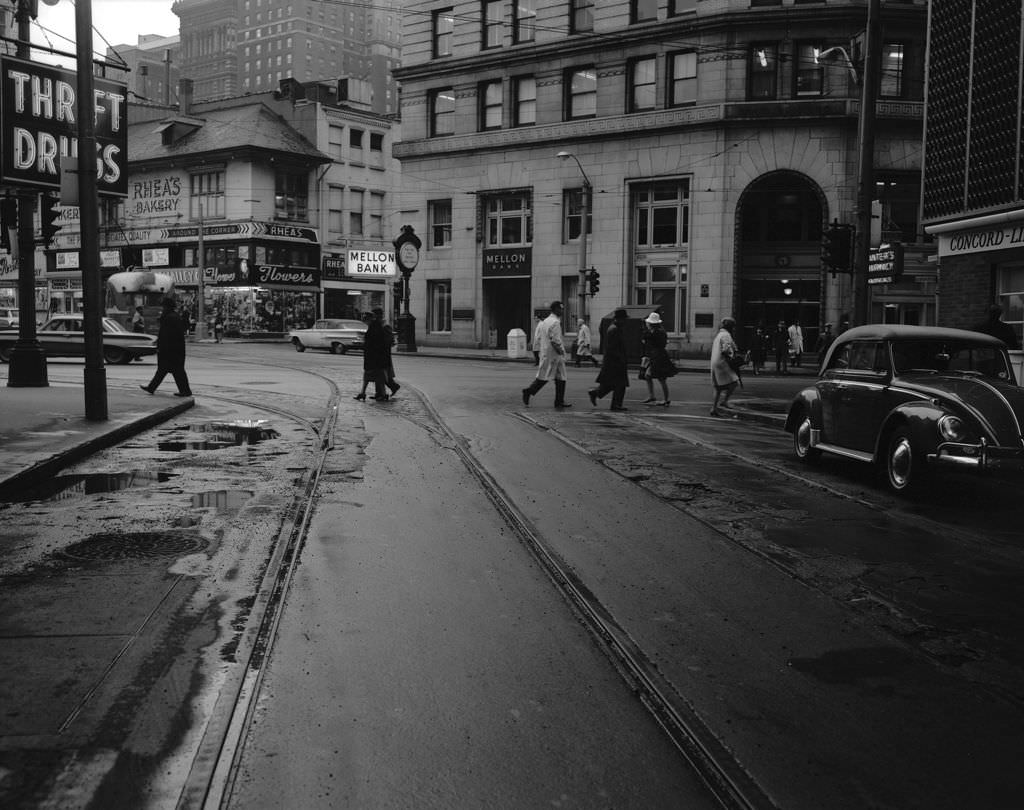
{"x": 555, "y": 304}
{"x": 621, "y": 314}
{"x": 654, "y": 317}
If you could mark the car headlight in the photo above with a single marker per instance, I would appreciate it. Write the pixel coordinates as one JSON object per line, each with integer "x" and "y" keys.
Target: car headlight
{"x": 952, "y": 428}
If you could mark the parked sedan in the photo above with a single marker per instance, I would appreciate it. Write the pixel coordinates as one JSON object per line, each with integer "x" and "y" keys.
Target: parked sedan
{"x": 63, "y": 336}
{"x": 335, "y": 335}
{"x": 9, "y": 318}
{"x": 913, "y": 399}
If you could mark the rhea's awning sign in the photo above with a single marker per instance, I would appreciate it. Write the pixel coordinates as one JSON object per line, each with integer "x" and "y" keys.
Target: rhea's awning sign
{"x": 39, "y": 124}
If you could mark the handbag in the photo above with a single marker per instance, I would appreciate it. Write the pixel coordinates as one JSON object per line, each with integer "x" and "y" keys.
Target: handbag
{"x": 645, "y": 364}
{"x": 736, "y": 363}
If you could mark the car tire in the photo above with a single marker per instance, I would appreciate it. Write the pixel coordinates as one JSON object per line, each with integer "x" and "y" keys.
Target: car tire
{"x": 298, "y": 345}
{"x": 5, "y": 354}
{"x": 802, "y": 440}
{"x": 905, "y": 470}
{"x": 335, "y": 349}
{"x": 114, "y": 355}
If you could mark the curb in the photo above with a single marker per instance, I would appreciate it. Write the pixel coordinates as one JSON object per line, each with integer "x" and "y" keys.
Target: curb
{"x": 48, "y": 467}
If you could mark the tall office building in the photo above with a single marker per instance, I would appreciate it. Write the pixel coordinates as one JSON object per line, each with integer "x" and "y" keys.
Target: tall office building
{"x": 231, "y": 47}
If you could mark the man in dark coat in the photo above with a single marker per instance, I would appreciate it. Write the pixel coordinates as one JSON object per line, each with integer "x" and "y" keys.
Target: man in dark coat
{"x": 376, "y": 354}
{"x": 614, "y": 375}
{"x": 170, "y": 352}
{"x": 998, "y": 328}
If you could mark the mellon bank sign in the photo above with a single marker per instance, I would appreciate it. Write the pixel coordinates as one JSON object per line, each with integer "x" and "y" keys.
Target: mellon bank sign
{"x": 39, "y": 125}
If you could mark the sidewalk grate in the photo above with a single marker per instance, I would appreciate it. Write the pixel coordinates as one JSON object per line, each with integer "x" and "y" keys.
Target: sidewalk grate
{"x": 133, "y": 545}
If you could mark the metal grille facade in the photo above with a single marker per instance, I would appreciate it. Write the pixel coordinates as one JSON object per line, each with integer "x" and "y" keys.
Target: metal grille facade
{"x": 973, "y": 120}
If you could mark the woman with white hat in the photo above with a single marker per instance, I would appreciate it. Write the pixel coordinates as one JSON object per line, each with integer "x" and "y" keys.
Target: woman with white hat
{"x": 660, "y": 366}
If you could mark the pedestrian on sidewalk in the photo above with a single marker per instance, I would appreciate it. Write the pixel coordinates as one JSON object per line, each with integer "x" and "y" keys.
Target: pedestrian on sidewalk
{"x": 552, "y": 357}
{"x": 760, "y": 348}
{"x": 614, "y": 376}
{"x": 723, "y": 377}
{"x": 780, "y": 342}
{"x": 218, "y": 327}
{"x": 538, "y": 339}
{"x": 996, "y": 327}
{"x": 583, "y": 348}
{"x": 824, "y": 341}
{"x": 170, "y": 352}
{"x": 389, "y": 342}
{"x": 660, "y": 366}
{"x": 796, "y": 343}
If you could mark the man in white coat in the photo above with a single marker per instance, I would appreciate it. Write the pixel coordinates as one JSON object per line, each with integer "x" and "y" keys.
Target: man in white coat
{"x": 552, "y": 358}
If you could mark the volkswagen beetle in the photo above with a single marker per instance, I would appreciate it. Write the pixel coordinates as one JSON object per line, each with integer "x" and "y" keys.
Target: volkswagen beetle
{"x": 912, "y": 399}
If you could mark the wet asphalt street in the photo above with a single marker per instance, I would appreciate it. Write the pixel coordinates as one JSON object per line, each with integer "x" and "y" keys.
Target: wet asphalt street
{"x": 827, "y": 645}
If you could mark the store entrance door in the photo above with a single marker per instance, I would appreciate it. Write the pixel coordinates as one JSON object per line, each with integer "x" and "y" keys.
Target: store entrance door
{"x": 506, "y": 307}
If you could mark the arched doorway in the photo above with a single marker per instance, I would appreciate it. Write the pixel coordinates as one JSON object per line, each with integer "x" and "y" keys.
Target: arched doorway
{"x": 780, "y": 217}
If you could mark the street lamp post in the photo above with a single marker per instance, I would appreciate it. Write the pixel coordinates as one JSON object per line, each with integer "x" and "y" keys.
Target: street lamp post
{"x": 584, "y": 212}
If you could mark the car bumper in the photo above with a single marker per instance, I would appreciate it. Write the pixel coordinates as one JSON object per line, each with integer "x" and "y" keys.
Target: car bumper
{"x": 981, "y": 456}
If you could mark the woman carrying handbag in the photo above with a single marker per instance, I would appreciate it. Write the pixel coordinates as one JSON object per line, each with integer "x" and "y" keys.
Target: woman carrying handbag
{"x": 660, "y": 365}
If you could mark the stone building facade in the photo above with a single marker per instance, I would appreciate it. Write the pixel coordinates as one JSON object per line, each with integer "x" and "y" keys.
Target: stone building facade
{"x": 717, "y": 137}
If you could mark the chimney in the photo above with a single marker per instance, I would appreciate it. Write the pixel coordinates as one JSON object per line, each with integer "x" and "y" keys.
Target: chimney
{"x": 184, "y": 96}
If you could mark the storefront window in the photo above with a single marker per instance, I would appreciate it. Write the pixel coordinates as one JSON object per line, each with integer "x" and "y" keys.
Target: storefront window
{"x": 1010, "y": 280}
{"x": 439, "y": 306}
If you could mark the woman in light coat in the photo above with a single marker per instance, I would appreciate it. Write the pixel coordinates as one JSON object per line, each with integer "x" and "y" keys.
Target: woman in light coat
{"x": 723, "y": 378}
{"x": 583, "y": 349}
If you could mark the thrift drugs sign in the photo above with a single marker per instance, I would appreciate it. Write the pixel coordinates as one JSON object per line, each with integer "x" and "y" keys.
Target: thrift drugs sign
{"x": 39, "y": 125}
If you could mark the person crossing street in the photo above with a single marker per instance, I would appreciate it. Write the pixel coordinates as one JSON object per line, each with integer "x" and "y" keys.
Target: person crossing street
{"x": 551, "y": 363}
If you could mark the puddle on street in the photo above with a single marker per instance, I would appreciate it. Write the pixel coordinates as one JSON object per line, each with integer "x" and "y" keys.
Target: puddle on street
{"x": 218, "y": 435}
{"x": 72, "y": 486}
{"x": 864, "y": 665}
{"x": 223, "y": 500}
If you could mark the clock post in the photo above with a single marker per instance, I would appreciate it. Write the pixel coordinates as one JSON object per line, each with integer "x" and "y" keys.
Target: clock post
{"x": 407, "y": 255}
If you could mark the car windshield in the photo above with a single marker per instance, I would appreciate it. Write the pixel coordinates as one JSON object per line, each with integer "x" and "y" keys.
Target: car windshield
{"x": 941, "y": 356}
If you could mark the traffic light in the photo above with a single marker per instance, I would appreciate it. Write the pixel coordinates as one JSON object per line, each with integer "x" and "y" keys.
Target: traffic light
{"x": 49, "y": 215}
{"x": 8, "y": 220}
{"x": 836, "y": 246}
{"x": 594, "y": 281}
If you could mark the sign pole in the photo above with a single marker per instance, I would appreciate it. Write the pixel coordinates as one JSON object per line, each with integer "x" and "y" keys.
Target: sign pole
{"x": 95, "y": 375}
{"x": 28, "y": 360}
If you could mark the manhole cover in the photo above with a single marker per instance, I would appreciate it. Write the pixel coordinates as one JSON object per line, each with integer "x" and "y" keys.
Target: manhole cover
{"x": 134, "y": 545}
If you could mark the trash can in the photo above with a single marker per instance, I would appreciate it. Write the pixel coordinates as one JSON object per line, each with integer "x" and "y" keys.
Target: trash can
{"x": 516, "y": 344}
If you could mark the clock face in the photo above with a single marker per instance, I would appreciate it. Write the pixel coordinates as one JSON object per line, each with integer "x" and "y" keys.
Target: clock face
{"x": 408, "y": 255}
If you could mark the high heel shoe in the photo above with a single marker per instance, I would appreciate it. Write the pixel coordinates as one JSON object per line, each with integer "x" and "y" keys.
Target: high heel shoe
{"x": 360, "y": 396}
{"x": 649, "y": 401}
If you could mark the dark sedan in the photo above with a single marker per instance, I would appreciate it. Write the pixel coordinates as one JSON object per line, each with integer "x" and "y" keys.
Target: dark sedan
{"x": 64, "y": 336}
{"x": 912, "y": 399}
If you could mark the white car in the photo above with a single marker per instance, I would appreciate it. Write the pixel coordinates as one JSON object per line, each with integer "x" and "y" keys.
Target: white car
{"x": 9, "y": 318}
{"x": 334, "y": 334}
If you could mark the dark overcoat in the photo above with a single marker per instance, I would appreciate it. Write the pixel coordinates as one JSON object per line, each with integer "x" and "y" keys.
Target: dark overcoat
{"x": 377, "y": 347}
{"x": 170, "y": 341}
{"x": 615, "y": 362}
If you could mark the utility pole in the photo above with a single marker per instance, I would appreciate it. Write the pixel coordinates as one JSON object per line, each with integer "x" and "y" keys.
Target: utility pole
{"x": 584, "y": 211}
{"x": 201, "y": 261}
{"x": 92, "y": 283}
{"x": 28, "y": 360}
{"x": 866, "y": 164}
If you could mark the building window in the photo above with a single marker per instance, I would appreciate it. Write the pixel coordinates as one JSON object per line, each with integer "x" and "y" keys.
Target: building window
{"x": 808, "y": 74}
{"x": 570, "y": 302}
{"x": 335, "y": 212}
{"x": 662, "y": 285}
{"x": 524, "y": 20}
{"x": 509, "y": 220}
{"x": 355, "y": 144}
{"x": 376, "y": 214}
{"x": 764, "y": 65}
{"x": 891, "y": 80}
{"x": 581, "y": 95}
{"x": 376, "y": 142}
{"x": 677, "y": 7}
{"x": 335, "y": 139}
{"x": 355, "y": 212}
{"x": 206, "y": 198}
{"x": 1010, "y": 291}
{"x": 642, "y": 84}
{"x": 661, "y": 212}
{"x": 490, "y": 104}
{"x": 493, "y": 11}
{"x": 444, "y": 24}
{"x": 291, "y": 196}
{"x": 525, "y": 103}
{"x": 442, "y": 112}
{"x": 643, "y": 10}
{"x": 439, "y": 306}
{"x": 581, "y": 16}
{"x": 572, "y": 205}
{"x": 440, "y": 214}
{"x": 682, "y": 82}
